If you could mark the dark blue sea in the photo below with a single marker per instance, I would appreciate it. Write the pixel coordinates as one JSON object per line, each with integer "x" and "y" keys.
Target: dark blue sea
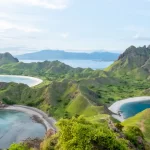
{"x": 131, "y": 109}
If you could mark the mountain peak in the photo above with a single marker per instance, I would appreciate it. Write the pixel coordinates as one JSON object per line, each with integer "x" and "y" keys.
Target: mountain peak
{"x": 135, "y": 61}
{"x": 133, "y": 51}
{"x": 6, "y": 58}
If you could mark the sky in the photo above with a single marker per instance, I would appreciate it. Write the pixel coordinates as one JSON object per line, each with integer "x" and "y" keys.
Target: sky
{"x": 73, "y": 25}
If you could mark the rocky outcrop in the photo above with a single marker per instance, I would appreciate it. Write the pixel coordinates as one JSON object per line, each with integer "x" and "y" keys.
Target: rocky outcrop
{"x": 2, "y": 105}
{"x": 135, "y": 61}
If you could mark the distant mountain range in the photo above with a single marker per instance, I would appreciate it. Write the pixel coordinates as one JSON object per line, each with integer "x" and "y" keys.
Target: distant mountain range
{"x": 58, "y": 54}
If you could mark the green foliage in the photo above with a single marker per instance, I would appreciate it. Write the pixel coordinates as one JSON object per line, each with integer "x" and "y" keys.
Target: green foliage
{"x": 142, "y": 121}
{"x": 119, "y": 126}
{"x": 7, "y": 101}
{"x": 49, "y": 143}
{"x": 129, "y": 65}
{"x": 132, "y": 133}
{"x": 79, "y": 134}
{"x": 7, "y": 58}
{"x": 18, "y": 147}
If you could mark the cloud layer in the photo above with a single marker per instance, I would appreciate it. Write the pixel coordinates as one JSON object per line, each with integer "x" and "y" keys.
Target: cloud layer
{"x": 51, "y": 4}
{"x": 5, "y": 25}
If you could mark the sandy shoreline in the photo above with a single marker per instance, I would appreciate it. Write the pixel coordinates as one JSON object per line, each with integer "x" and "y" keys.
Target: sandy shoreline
{"x": 49, "y": 122}
{"x": 37, "y": 80}
{"x": 115, "y": 108}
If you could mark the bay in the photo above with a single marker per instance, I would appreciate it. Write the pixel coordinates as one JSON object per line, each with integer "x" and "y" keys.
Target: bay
{"x": 18, "y": 126}
{"x": 133, "y": 108}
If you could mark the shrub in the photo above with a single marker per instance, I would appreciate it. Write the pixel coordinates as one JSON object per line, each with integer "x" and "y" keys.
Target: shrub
{"x": 110, "y": 99}
{"x": 8, "y": 102}
{"x": 132, "y": 133}
{"x": 18, "y": 147}
{"x": 78, "y": 133}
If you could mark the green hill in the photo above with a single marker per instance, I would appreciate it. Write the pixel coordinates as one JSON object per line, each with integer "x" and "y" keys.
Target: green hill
{"x": 59, "y": 99}
{"x": 134, "y": 62}
{"x": 68, "y": 91}
{"x": 7, "y": 58}
{"x": 141, "y": 120}
{"x": 50, "y": 70}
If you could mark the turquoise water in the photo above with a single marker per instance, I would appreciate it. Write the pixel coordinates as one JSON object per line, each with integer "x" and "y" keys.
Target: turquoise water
{"x": 28, "y": 81}
{"x": 131, "y": 109}
{"x": 79, "y": 63}
{"x": 18, "y": 126}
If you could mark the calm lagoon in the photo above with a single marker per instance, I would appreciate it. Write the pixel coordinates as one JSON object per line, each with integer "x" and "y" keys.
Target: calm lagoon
{"x": 18, "y": 126}
{"x": 30, "y": 81}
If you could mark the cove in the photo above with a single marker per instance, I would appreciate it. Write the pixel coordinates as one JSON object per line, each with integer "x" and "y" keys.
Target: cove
{"x": 30, "y": 81}
{"x": 17, "y": 126}
{"x": 126, "y": 108}
{"x": 133, "y": 108}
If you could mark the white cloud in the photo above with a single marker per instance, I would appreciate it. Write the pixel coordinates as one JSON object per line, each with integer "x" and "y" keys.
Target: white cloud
{"x": 136, "y": 36}
{"x": 140, "y": 37}
{"x": 64, "y": 35}
{"x": 4, "y": 15}
{"x": 133, "y": 28}
{"x": 51, "y": 4}
{"x": 5, "y": 25}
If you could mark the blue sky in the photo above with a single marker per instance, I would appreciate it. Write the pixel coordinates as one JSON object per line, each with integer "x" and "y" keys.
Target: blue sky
{"x": 73, "y": 25}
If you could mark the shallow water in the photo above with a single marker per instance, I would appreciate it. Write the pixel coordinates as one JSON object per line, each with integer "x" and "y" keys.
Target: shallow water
{"x": 17, "y": 79}
{"x": 131, "y": 109}
{"x": 18, "y": 126}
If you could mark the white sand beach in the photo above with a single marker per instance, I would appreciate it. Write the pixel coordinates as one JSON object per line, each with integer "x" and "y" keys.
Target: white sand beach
{"x": 115, "y": 108}
{"x": 49, "y": 122}
{"x": 37, "y": 80}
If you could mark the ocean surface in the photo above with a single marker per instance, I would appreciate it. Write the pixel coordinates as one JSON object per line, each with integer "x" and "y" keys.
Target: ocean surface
{"x": 28, "y": 81}
{"x": 131, "y": 109}
{"x": 79, "y": 63}
{"x": 18, "y": 126}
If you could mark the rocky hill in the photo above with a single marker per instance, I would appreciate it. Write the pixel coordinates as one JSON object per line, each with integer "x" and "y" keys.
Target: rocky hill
{"x": 133, "y": 62}
{"x": 68, "y": 92}
{"x": 7, "y": 58}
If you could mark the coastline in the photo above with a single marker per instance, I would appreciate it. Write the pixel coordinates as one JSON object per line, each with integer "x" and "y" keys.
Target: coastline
{"x": 48, "y": 122}
{"x": 38, "y": 81}
{"x": 115, "y": 108}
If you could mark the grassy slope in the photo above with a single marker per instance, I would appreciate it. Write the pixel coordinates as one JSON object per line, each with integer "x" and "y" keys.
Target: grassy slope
{"x": 67, "y": 97}
{"x": 68, "y": 91}
{"x": 59, "y": 99}
{"x": 141, "y": 120}
{"x": 134, "y": 62}
{"x": 7, "y": 58}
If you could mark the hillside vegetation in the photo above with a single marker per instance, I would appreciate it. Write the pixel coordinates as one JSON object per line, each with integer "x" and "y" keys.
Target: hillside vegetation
{"x": 134, "y": 63}
{"x": 141, "y": 120}
{"x": 78, "y": 133}
{"x": 68, "y": 92}
{"x": 7, "y": 58}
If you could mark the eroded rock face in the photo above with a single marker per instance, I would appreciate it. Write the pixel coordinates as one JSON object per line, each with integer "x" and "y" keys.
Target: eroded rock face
{"x": 132, "y": 52}
{"x": 49, "y": 133}
{"x": 33, "y": 143}
{"x": 135, "y": 61}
